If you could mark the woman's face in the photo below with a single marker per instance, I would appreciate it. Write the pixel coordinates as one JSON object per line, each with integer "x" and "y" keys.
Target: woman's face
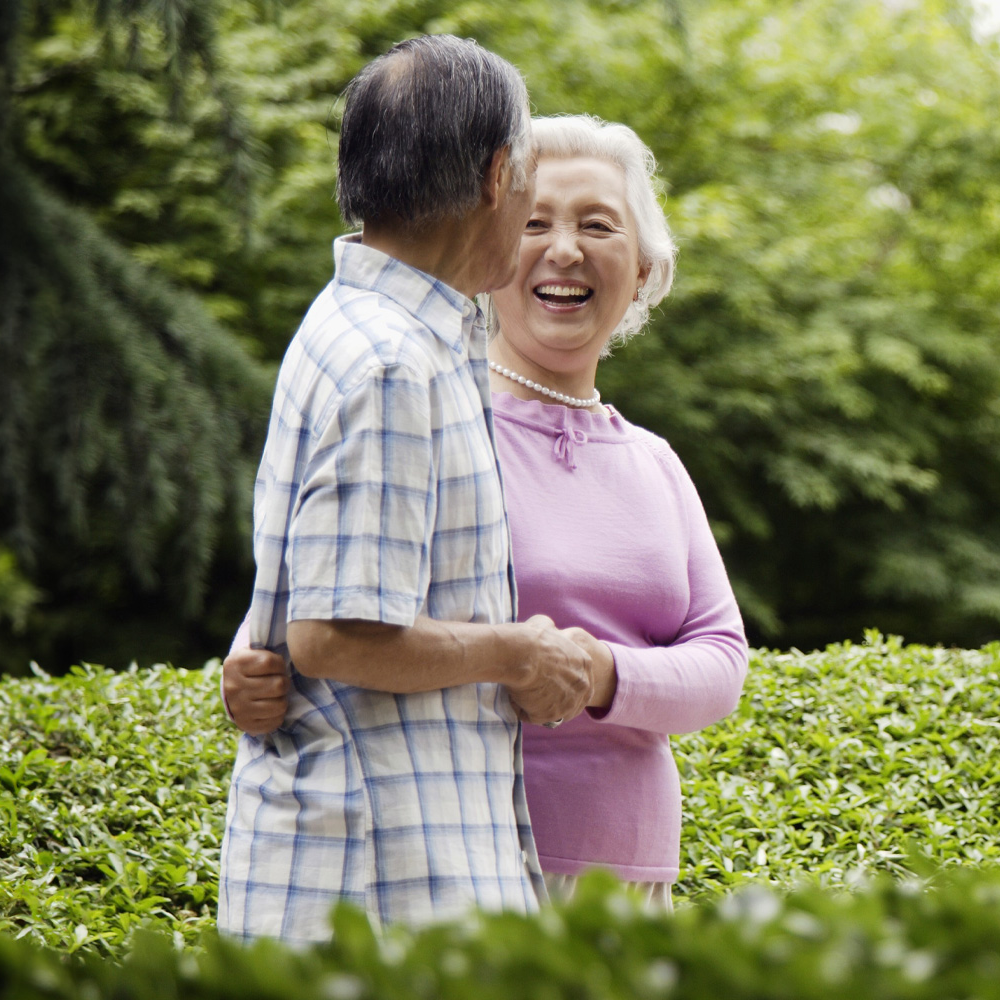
{"x": 579, "y": 266}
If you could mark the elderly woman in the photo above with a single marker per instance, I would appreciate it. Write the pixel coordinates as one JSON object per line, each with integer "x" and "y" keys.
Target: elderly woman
{"x": 609, "y": 536}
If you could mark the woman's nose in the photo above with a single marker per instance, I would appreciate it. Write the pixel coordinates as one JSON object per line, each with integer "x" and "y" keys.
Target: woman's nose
{"x": 563, "y": 248}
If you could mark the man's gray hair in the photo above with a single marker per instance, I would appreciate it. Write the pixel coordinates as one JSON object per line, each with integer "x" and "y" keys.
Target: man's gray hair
{"x": 421, "y": 125}
{"x": 565, "y": 136}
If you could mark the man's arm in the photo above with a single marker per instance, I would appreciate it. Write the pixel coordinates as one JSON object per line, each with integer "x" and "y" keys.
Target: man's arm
{"x": 549, "y": 676}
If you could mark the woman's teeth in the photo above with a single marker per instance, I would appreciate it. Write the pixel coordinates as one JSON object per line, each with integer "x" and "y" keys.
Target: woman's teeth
{"x": 563, "y": 294}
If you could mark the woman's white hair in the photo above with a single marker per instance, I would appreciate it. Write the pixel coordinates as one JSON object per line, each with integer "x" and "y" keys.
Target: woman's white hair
{"x": 565, "y": 136}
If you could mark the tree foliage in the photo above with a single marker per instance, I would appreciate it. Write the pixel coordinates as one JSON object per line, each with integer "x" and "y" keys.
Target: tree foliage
{"x": 128, "y": 437}
{"x": 827, "y": 366}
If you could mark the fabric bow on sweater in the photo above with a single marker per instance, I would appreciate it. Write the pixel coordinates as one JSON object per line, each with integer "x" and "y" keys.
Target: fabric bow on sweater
{"x": 565, "y": 444}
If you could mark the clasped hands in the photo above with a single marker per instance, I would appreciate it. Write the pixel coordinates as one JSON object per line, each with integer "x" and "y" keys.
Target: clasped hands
{"x": 560, "y": 673}
{"x": 566, "y": 671}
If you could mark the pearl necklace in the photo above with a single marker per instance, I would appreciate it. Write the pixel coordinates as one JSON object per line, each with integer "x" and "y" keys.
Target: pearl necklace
{"x": 559, "y": 397}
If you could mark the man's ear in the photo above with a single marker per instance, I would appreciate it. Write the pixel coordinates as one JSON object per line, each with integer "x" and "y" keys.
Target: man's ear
{"x": 497, "y": 177}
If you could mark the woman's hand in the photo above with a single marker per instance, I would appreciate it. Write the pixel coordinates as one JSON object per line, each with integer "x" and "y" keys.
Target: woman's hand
{"x": 603, "y": 665}
{"x": 554, "y": 674}
{"x": 255, "y": 686}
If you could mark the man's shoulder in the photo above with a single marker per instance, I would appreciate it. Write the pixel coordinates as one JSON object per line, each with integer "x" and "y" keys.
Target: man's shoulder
{"x": 348, "y": 330}
{"x": 344, "y": 309}
{"x": 348, "y": 337}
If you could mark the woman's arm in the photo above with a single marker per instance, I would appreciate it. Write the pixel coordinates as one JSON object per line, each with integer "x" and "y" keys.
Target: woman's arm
{"x": 254, "y": 685}
{"x": 697, "y": 679}
{"x": 255, "y": 689}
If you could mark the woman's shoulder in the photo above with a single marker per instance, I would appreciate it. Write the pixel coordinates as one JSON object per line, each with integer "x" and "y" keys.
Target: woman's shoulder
{"x": 659, "y": 447}
{"x": 661, "y": 453}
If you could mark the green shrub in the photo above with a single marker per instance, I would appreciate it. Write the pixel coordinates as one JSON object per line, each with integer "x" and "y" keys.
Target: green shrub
{"x": 112, "y": 800}
{"x": 890, "y": 940}
{"x": 857, "y": 759}
{"x": 843, "y": 761}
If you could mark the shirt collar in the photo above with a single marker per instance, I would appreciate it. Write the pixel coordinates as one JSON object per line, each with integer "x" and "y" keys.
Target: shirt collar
{"x": 446, "y": 312}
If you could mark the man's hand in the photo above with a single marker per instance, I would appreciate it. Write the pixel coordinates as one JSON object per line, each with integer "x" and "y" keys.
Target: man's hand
{"x": 255, "y": 685}
{"x": 556, "y": 679}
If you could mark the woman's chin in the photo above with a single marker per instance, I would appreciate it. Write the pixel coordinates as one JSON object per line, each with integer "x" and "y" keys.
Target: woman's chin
{"x": 565, "y": 343}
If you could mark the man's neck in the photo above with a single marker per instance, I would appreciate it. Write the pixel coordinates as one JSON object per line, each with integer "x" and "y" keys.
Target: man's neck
{"x": 448, "y": 250}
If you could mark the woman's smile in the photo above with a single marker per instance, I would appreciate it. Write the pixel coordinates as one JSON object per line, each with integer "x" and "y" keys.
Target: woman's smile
{"x": 577, "y": 274}
{"x": 562, "y": 297}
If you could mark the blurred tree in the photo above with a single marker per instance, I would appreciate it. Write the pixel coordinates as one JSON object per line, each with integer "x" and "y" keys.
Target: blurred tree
{"x": 131, "y": 423}
{"x": 827, "y": 365}
{"x": 217, "y": 170}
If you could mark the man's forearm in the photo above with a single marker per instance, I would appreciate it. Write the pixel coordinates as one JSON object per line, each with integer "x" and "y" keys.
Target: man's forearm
{"x": 425, "y": 656}
{"x": 548, "y": 675}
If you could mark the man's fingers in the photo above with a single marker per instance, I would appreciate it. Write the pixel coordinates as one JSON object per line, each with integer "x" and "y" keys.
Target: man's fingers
{"x": 522, "y": 713}
{"x": 263, "y": 688}
{"x": 268, "y": 706}
{"x": 542, "y": 716}
{"x": 268, "y": 686}
{"x": 540, "y": 621}
{"x": 260, "y": 718}
{"x": 261, "y": 663}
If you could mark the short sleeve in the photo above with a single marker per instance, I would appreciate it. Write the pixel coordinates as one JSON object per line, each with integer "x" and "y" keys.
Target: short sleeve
{"x": 360, "y": 533}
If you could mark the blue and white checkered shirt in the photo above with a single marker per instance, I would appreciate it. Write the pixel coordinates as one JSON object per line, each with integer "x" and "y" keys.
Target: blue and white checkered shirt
{"x": 379, "y": 498}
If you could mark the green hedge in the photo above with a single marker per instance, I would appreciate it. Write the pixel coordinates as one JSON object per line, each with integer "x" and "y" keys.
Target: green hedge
{"x": 846, "y": 760}
{"x": 858, "y": 759}
{"x": 112, "y": 801}
{"x": 892, "y": 939}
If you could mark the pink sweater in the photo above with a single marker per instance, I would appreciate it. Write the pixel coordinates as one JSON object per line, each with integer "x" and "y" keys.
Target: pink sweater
{"x": 609, "y": 534}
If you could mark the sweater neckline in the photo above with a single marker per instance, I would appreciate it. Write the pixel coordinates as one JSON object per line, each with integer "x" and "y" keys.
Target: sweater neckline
{"x": 555, "y": 418}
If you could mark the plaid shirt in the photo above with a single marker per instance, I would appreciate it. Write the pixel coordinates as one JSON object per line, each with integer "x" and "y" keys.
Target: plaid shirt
{"x": 379, "y": 498}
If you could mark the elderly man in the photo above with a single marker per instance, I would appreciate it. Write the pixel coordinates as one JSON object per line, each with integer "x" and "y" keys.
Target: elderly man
{"x": 383, "y": 555}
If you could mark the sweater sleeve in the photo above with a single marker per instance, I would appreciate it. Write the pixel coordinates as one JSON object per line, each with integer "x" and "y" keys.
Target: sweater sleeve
{"x": 697, "y": 679}
{"x": 242, "y": 637}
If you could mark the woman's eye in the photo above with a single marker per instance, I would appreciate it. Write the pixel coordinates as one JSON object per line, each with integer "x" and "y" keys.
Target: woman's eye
{"x": 534, "y": 224}
{"x": 600, "y": 227}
